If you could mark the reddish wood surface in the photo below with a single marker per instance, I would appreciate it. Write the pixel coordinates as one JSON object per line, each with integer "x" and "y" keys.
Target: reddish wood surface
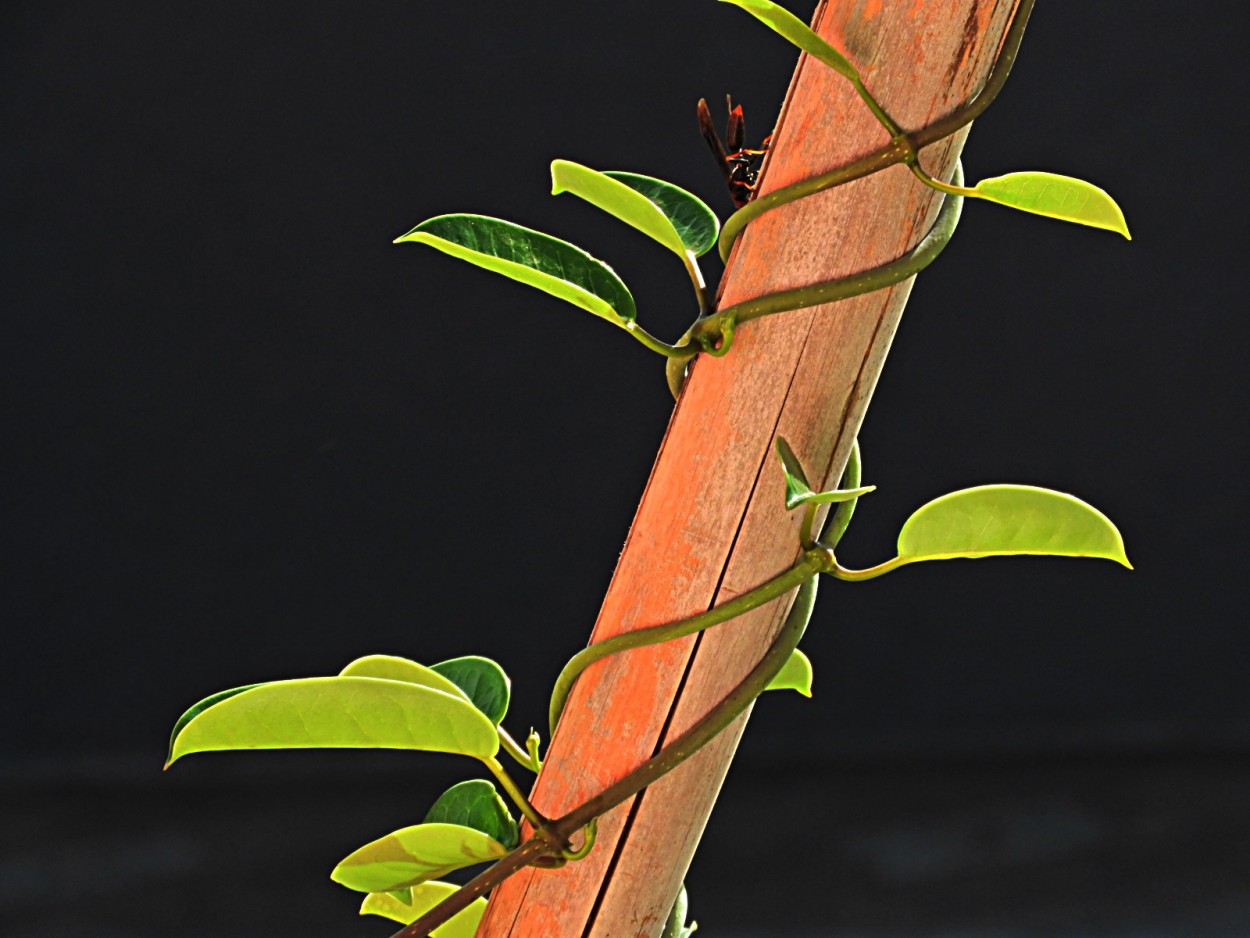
{"x": 712, "y": 523}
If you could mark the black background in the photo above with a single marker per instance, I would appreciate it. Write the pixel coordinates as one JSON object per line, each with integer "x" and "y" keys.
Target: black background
{"x": 248, "y": 438}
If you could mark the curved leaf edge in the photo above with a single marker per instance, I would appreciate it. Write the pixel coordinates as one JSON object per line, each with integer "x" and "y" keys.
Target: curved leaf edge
{"x": 198, "y": 710}
{"x": 1118, "y": 555}
{"x": 531, "y": 276}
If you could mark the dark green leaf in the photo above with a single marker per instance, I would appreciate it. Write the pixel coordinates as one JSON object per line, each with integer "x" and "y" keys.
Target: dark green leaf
{"x": 476, "y": 804}
{"x": 695, "y": 222}
{"x": 551, "y": 265}
{"x": 482, "y": 680}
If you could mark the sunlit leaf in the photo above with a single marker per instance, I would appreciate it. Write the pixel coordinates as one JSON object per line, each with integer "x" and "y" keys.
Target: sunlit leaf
{"x": 415, "y": 855}
{"x": 1054, "y": 196}
{"x": 476, "y": 804}
{"x": 339, "y": 713}
{"x": 424, "y": 897}
{"x": 482, "y": 681}
{"x": 799, "y": 492}
{"x": 534, "y": 258}
{"x": 790, "y": 27}
{"x": 670, "y": 215}
{"x": 392, "y": 668}
{"x": 994, "y": 520}
{"x": 795, "y": 674}
{"x": 694, "y": 220}
{"x": 196, "y": 709}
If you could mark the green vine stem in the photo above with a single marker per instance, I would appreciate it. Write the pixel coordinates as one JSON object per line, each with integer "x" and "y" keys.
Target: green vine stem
{"x": 671, "y": 756}
{"x": 899, "y": 149}
{"x": 514, "y": 792}
{"x": 676, "y": 752}
{"x": 865, "y": 281}
{"x": 804, "y": 569}
{"x": 550, "y": 837}
{"x": 657, "y": 345}
{"x": 840, "y": 520}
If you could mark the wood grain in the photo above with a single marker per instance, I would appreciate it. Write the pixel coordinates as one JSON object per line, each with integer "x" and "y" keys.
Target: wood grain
{"x": 712, "y": 523}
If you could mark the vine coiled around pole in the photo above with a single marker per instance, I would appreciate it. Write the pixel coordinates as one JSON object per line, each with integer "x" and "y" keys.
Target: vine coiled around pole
{"x": 714, "y": 334}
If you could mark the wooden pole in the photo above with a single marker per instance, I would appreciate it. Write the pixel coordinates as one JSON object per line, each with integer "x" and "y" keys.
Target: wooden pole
{"x": 712, "y": 523}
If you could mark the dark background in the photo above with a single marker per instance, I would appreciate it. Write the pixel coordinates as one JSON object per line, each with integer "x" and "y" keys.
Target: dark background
{"x": 248, "y": 438}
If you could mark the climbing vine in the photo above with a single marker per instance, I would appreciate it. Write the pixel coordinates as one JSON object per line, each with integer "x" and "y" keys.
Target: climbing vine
{"x": 459, "y": 706}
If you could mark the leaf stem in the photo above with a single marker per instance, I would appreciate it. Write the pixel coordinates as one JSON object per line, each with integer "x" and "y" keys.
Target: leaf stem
{"x": 700, "y": 286}
{"x": 948, "y": 188}
{"x": 878, "y": 111}
{"x": 853, "y": 576}
{"x": 539, "y": 822}
{"x": 656, "y": 345}
{"x": 513, "y": 748}
{"x": 806, "y": 537}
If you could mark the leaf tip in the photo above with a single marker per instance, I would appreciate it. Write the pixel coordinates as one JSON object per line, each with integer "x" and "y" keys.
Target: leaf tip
{"x": 556, "y": 187}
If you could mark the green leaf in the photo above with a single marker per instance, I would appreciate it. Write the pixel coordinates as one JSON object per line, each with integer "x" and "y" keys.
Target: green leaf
{"x": 482, "y": 681}
{"x": 338, "y": 713}
{"x": 414, "y": 855}
{"x": 799, "y": 492}
{"x": 795, "y": 674}
{"x": 670, "y": 215}
{"x": 476, "y": 804}
{"x": 391, "y": 668}
{"x": 996, "y": 520}
{"x": 695, "y": 222}
{"x": 790, "y": 27}
{"x": 196, "y": 709}
{"x": 551, "y": 265}
{"x": 424, "y": 897}
{"x": 1054, "y": 196}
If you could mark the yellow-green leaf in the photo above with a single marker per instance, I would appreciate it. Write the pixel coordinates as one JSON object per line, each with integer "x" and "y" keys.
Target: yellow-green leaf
{"x": 392, "y": 668}
{"x": 790, "y": 27}
{"x": 338, "y": 713}
{"x": 423, "y": 898}
{"x": 415, "y": 855}
{"x": 1055, "y": 196}
{"x": 998, "y": 520}
{"x": 660, "y": 210}
{"x": 795, "y": 674}
{"x": 799, "y": 492}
